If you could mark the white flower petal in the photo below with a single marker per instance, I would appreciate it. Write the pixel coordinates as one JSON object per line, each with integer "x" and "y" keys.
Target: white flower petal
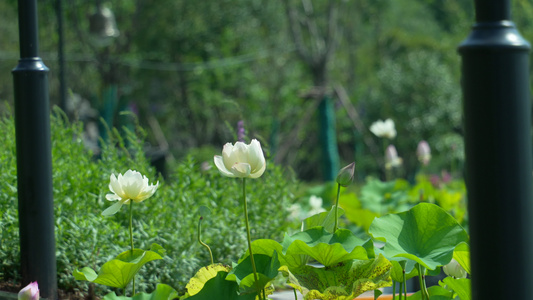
{"x": 256, "y": 158}
{"x": 241, "y": 170}
{"x": 146, "y": 193}
{"x": 112, "y": 209}
{"x": 227, "y": 157}
{"x": 258, "y": 173}
{"x": 222, "y": 167}
{"x": 112, "y": 197}
{"x": 114, "y": 185}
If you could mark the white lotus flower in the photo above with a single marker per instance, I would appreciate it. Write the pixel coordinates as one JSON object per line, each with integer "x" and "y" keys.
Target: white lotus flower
{"x": 132, "y": 186}
{"x": 241, "y": 160}
{"x": 30, "y": 292}
{"x": 384, "y": 129}
{"x": 454, "y": 269}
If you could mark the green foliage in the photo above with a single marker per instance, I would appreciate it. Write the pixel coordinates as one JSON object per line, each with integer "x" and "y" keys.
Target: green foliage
{"x": 425, "y": 234}
{"x": 220, "y": 288}
{"x": 242, "y": 273}
{"x": 119, "y": 272}
{"x": 162, "y": 292}
{"x": 342, "y": 281}
{"x": 85, "y": 238}
{"x": 327, "y": 248}
{"x": 194, "y": 66}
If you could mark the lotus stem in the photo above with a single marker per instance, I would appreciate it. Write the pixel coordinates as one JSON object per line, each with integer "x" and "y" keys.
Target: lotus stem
{"x": 337, "y": 208}
{"x": 394, "y": 290}
{"x": 248, "y": 236}
{"x": 422, "y": 281}
{"x": 200, "y": 240}
{"x": 131, "y": 244}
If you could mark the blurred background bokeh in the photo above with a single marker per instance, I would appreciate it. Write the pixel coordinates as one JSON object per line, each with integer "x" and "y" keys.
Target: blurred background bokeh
{"x": 306, "y": 78}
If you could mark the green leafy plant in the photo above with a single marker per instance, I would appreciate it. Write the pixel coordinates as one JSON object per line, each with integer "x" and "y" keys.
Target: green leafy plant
{"x": 83, "y": 236}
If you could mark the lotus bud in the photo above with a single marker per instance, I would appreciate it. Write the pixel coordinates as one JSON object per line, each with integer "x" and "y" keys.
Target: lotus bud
{"x": 346, "y": 174}
{"x": 30, "y": 292}
{"x": 454, "y": 269}
{"x": 423, "y": 152}
{"x": 391, "y": 158}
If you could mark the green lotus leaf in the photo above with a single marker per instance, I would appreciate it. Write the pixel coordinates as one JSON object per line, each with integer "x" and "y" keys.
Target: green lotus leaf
{"x": 326, "y": 248}
{"x": 346, "y": 280}
{"x": 382, "y": 197}
{"x": 426, "y": 234}
{"x": 197, "y": 282}
{"x": 397, "y": 271}
{"x": 162, "y": 292}
{"x": 268, "y": 247}
{"x": 461, "y": 254}
{"x": 435, "y": 293}
{"x": 325, "y": 219}
{"x": 266, "y": 267}
{"x": 462, "y": 287}
{"x": 221, "y": 289}
{"x": 120, "y": 271}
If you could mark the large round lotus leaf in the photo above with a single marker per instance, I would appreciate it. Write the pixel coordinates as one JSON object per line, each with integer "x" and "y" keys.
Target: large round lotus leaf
{"x": 243, "y": 274}
{"x": 220, "y": 288}
{"x": 426, "y": 234}
{"x": 197, "y": 282}
{"x": 120, "y": 271}
{"x": 326, "y": 248}
{"x": 462, "y": 287}
{"x": 344, "y": 281}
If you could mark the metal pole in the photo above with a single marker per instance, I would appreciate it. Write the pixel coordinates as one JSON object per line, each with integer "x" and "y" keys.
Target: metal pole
{"x": 34, "y": 163}
{"x": 497, "y": 112}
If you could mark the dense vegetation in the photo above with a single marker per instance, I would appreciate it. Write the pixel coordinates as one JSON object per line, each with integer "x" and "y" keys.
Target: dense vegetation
{"x": 191, "y": 70}
{"x": 169, "y": 218}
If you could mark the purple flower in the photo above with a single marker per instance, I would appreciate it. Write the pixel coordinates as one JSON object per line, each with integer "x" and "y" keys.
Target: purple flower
{"x": 241, "y": 133}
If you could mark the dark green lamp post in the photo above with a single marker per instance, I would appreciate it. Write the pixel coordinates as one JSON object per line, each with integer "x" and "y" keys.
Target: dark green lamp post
{"x": 34, "y": 162}
{"x": 497, "y": 113}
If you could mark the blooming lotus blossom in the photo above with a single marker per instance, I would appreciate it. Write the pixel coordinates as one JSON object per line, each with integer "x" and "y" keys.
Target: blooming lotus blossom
{"x": 454, "y": 269}
{"x": 384, "y": 129}
{"x": 391, "y": 158}
{"x": 132, "y": 186}
{"x": 241, "y": 160}
{"x": 423, "y": 152}
{"x": 30, "y": 292}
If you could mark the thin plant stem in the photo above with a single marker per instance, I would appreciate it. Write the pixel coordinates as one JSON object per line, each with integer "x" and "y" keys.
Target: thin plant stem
{"x": 394, "y": 289}
{"x": 337, "y": 208}
{"x": 404, "y": 284}
{"x": 422, "y": 281}
{"x": 248, "y": 235}
{"x": 200, "y": 240}
{"x": 131, "y": 244}
{"x": 295, "y": 295}
{"x": 404, "y": 281}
